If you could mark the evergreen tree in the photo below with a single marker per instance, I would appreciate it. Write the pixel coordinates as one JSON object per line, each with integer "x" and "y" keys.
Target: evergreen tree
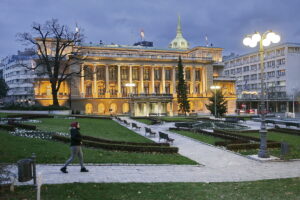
{"x": 3, "y": 88}
{"x": 184, "y": 105}
{"x": 221, "y": 104}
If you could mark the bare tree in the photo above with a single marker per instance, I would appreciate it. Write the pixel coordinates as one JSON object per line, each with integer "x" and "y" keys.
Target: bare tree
{"x": 56, "y": 52}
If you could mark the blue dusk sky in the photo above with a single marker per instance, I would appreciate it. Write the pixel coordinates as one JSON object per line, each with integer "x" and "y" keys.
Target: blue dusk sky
{"x": 225, "y": 22}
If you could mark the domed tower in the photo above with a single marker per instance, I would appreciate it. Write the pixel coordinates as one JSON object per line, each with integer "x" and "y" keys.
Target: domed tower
{"x": 179, "y": 42}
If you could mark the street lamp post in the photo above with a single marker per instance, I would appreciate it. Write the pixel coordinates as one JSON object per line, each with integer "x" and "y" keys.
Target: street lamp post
{"x": 215, "y": 87}
{"x": 264, "y": 40}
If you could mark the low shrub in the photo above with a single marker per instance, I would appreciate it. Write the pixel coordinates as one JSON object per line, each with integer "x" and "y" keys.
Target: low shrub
{"x": 22, "y": 126}
{"x": 119, "y": 147}
{"x": 7, "y": 127}
{"x": 184, "y": 124}
{"x": 33, "y": 107}
{"x": 29, "y": 116}
{"x": 286, "y": 130}
{"x": 242, "y": 146}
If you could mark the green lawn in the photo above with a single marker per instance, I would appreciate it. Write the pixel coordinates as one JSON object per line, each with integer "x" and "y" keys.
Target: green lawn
{"x": 14, "y": 148}
{"x": 104, "y": 128}
{"x": 3, "y": 114}
{"x": 201, "y": 137}
{"x": 292, "y": 140}
{"x": 287, "y": 189}
{"x": 145, "y": 121}
{"x": 177, "y": 119}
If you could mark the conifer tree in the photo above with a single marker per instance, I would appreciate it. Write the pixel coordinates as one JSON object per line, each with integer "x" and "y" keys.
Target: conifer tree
{"x": 221, "y": 104}
{"x": 184, "y": 105}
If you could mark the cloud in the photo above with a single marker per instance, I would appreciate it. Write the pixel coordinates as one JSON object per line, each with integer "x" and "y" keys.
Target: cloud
{"x": 119, "y": 21}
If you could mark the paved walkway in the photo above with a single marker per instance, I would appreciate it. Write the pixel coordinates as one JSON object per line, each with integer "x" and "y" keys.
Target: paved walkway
{"x": 217, "y": 165}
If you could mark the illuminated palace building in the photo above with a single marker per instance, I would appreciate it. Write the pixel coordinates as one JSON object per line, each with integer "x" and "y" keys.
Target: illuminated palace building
{"x": 141, "y": 80}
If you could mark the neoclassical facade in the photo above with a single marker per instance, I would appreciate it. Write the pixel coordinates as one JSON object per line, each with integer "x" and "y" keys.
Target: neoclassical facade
{"x": 140, "y": 81}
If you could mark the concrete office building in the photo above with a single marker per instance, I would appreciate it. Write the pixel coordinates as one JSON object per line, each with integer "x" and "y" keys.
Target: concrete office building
{"x": 282, "y": 70}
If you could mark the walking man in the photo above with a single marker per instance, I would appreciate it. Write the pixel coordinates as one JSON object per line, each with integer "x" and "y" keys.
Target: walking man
{"x": 76, "y": 141}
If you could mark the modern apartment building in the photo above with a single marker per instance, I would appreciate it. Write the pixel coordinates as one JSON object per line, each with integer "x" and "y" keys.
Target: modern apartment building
{"x": 281, "y": 73}
{"x": 19, "y": 79}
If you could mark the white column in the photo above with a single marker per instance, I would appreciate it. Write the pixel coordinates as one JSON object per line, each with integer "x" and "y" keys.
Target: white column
{"x": 152, "y": 80}
{"x": 173, "y": 91}
{"x": 141, "y": 79}
{"x": 130, "y": 78}
{"x": 192, "y": 86}
{"x": 163, "y": 78}
{"x": 82, "y": 81}
{"x": 203, "y": 80}
{"x": 107, "y": 94}
{"x": 95, "y": 93}
{"x": 119, "y": 81}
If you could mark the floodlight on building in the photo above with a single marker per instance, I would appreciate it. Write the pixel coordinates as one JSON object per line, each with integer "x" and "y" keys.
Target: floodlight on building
{"x": 129, "y": 84}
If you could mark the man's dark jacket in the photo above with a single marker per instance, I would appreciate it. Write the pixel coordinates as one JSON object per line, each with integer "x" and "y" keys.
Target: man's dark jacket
{"x": 76, "y": 138}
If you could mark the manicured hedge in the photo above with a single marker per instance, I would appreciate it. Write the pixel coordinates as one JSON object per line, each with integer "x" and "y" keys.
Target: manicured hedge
{"x": 90, "y": 117}
{"x": 95, "y": 139}
{"x": 286, "y": 130}
{"x": 7, "y": 127}
{"x": 236, "y": 135}
{"x": 184, "y": 124}
{"x": 251, "y": 146}
{"x": 119, "y": 147}
{"x": 23, "y": 126}
{"x": 29, "y": 116}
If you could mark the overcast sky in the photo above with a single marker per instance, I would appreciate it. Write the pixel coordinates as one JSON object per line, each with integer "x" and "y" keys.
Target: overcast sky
{"x": 225, "y": 22}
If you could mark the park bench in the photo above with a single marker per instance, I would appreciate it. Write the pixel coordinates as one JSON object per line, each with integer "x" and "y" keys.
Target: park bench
{"x": 134, "y": 125}
{"x": 149, "y": 131}
{"x": 126, "y": 123}
{"x": 165, "y": 137}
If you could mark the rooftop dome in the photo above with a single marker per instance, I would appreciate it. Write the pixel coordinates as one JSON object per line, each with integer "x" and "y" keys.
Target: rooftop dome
{"x": 179, "y": 42}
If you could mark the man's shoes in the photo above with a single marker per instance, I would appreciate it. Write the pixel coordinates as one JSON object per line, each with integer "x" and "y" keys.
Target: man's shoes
{"x": 84, "y": 170}
{"x": 64, "y": 170}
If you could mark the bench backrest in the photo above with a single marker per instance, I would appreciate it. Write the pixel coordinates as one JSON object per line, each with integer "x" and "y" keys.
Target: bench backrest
{"x": 147, "y": 129}
{"x": 163, "y": 135}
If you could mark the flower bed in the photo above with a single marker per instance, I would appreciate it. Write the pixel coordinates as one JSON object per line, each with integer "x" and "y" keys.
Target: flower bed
{"x": 35, "y": 134}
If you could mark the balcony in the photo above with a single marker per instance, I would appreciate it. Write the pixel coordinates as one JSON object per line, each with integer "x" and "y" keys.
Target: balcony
{"x": 150, "y": 95}
{"x": 224, "y": 78}
{"x": 118, "y": 55}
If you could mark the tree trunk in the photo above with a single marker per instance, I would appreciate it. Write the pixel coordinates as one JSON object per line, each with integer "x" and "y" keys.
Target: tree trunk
{"x": 54, "y": 97}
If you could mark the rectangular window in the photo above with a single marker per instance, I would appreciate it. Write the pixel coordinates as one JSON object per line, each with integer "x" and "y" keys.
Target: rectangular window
{"x": 254, "y": 77}
{"x": 198, "y": 75}
{"x": 239, "y": 70}
{"x": 135, "y": 74}
{"x": 156, "y": 74}
{"x": 100, "y": 71}
{"x": 246, "y": 78}
{"x": 168, "y": 74}
{"x": 281, "y": 61}
{"x": 246, "y": 68}
{"x": 188, "y": 75}
{"x": 253, "y": 67}
{"x": 271, "y": 74}
{"x": 281, "y": 72}
{"x": 157, "y": 89}
{"x": 232, "y": 71}
{"x": 124, "y": 73}
{"x": 168, "y": 89}
{"x": 113, "y": 73}
{"x": 146, "y": 74}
